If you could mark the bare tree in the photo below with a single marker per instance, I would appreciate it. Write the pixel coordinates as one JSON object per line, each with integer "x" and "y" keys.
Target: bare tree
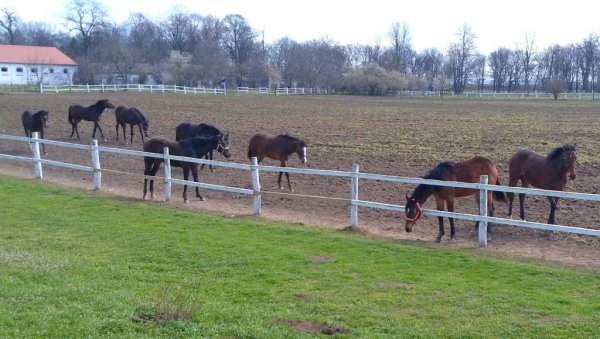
{"x": 401, "y": 49}
{"x": 528, "y": 61}
{"x": 499, "y": 67}
{"x": 87, "y": 19}
{"x": 460, "y": 57}
{"x": 588, "y": 54}
{"x": 178, "y": 28}
{"x": 9, "y": 22}
{"x": 239, "y": 43}
{"x": 145, "y": 38}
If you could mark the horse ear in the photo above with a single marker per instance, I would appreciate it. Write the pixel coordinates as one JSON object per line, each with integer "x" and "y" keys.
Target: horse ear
{"x": 407, "y": 197}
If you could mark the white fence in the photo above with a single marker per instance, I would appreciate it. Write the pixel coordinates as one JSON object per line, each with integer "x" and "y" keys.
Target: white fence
{"x": 354, "y": 176}
{"x": 174, "y": 89}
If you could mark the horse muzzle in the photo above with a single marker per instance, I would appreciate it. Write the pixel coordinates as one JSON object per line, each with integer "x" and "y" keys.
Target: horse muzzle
{"x": 409, "y": 225}
{"x": 46, "y": 124}
{"x": 226, "y": 154}
{"x": 303, "y": 159}
{"x": 572, "y": 175}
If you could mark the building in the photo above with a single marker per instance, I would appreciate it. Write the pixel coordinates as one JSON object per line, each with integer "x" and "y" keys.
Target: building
{"x": 32, "y": 65}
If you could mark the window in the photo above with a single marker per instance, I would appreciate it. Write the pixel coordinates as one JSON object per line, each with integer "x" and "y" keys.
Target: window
{"x": 33, "y": 69}
{"x": 65, "y": 70}
{"x": 4, "y": 69}
{"x": 51, "y": 70}
{"x": 20, "y": 71}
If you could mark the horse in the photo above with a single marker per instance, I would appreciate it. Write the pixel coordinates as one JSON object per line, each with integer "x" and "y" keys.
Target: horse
{"x": 195, "y": 147}
{"x": 463, "y": 171}
{"x": 131, "y": 116}
{"x": 90, "y": 113}
{"x": 279, "y": 147}
{"x": 546, "y": 172}
{"x": 35, "y": 122}
{"x": 187, "y": 130}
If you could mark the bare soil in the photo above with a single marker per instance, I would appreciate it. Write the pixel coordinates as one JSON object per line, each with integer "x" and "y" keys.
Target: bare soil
{"x": 393, "y": 136}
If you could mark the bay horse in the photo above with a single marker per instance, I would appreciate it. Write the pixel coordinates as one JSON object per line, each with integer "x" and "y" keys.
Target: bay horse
{"x": 187, "y": 130}
{"x": 195, "y": 147}
{"x": 546, "y": 172}
{"x": 277, "y": 148}
{"x": 35, "y": 122}
{"x": 133, "y": 117}
{"x": 90, "y": 113}
{"x": 462, "y": 171}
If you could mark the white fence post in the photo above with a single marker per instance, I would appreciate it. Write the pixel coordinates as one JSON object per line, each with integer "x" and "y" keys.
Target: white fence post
{"x": 167, "y": 168}
{"x": 102, "y": 84}
{"x": 37, "y": 164}
{"x": 483, "y": 211}
{"x": 41, "y": 87}
{"x": 87, "y": 86}
{"x": 96, "y": 165}
{"x": 256, "y": 199}
{"x": 354, "y": 197}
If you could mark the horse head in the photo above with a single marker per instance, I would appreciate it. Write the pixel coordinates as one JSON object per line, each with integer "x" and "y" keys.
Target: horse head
{"x": 413, "y": 212}
{"x": 44, "y": 118}
{"x": 104, "y": 103}
{"x": 569, "y": 159}
{"x": 223, "y": 144}
{"x": 301, "y": 151}
{"x": 145, "y": 127}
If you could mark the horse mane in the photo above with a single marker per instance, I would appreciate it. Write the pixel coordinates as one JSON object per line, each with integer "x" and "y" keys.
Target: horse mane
{"x": 558, "y": 151}
{"x": 291, "y": 139}
{"x": 423, "y": 191}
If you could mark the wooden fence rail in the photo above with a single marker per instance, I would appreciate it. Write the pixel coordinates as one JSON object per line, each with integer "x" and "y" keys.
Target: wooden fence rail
{"x": 354, "y": 177}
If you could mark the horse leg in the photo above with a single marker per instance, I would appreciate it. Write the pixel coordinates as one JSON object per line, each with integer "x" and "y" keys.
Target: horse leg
{"x": 151, "y": 169}
{"x": 210, "y": 154}
{"x": 43, "y": 144}
{"x": 525, "y": 184}
{"x": 287, "y": 176}
{"x": 450, "y": 207}
{"x": 131, "y": 129}
{"x": 440, "y": 207}
{"x": 74, "y": 129}
{"x": 195, "y": 175}
{"x": 141, "y": 133}
{"x": 186, "y": 174}
{"x": 553, "y": 202}
{"x": 97, "y": 125}
{"x": 205, "y": 157}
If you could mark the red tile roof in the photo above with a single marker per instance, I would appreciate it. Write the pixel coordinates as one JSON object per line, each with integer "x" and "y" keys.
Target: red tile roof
{"x": 19, "y": 54}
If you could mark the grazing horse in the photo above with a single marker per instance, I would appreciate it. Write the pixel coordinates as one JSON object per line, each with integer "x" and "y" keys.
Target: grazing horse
{"x": 195, "y": 147}
{"x": 131, "y": 116}
{"x": 187, "y": 130}
{"x": 463, "y": 171}
{"x": 35, "y": 122}
{"x": 90, "y": 113}
{"x": 277, "y": 148}
{"x": 545, "y": 172}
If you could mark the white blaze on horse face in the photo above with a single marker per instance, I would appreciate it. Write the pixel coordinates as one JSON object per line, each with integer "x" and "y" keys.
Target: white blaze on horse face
{"x": 304, "y": 155}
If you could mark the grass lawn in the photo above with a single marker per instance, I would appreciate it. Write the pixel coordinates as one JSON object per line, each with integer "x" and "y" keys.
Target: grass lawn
{"x": 79, "y": 264}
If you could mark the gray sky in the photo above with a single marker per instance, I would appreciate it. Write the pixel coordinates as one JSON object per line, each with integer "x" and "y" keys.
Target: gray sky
{"x": 431, "y": 23}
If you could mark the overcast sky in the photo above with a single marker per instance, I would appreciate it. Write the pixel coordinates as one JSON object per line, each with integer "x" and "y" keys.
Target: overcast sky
{"x": 432, "y": 23}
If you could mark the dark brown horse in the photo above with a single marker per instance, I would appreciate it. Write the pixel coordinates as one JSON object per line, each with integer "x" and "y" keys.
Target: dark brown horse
{"x": 35, "y": 122}
{"x": 463, "y": 171}
{"x": 277, "y": 148}
{"x": 90, "y": 113}
{"x": 187, "y": 130}
{"x": 195, "y": 147}
{"x": 133, "y": 117}
{"x": 545, "y": 172}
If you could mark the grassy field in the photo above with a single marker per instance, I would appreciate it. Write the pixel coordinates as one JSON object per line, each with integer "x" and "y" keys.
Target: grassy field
{"x": 78, "y": 264}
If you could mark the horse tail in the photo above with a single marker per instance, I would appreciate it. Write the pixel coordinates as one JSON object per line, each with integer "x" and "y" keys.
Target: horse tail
{"x": 499, "y": 195}
{"x": 70, "y": 117}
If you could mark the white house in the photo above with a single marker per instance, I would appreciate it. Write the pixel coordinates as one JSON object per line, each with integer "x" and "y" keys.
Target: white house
{"x": 32, "y": 65}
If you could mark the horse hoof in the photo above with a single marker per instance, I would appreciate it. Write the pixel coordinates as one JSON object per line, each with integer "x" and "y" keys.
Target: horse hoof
{"x": 153, "y": 196}
{"x": 185, "y": 201}
{"x": 451, "y": 240}
{"x": 438, "y": 240}
{"x": 202, "y": 199}
{"x": 144, "y": 197}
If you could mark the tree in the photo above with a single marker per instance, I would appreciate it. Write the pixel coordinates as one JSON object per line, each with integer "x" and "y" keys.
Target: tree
{"x": 87, "y": 19}
{"x": 239, "y": 43}
{"x": 9, "y": 22}
{"x": 588, "y": 54}
{"x": 178, "y": 28}
{"x": 460, "y": 57}
{"x": 401, "y": 47}
{"x": 145, "y": 38}
{"x": 499, "y": 67}
{"x": 528, "y": 61}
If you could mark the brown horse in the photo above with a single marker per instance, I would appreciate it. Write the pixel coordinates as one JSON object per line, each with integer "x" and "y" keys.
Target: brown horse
{"x": 277, "y": 148}
{"x": 545, "y": 172}
{"x": 90, "y": 113}
{"x": 195, "y": 147}
{"x": 463, "y": 171}
{"x": 35, "y": 122}
{"x": 133, "y": 117}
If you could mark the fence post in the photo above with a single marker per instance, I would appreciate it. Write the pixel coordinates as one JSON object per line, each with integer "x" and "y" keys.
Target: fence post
{"x": 483, "y": 201}
{"x": 96, "y": 165}
{"x": 37, "y": 163}
{"x": 41, "y": 87}
{"x": 256, "y": 199}
{"x": 102, "y": 84}
{"x": 354, "y": 197}
{"x": 87, "y": 86}
{"x": 167, "y": 168}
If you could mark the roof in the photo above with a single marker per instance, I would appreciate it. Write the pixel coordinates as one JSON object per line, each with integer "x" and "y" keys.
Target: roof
{"x": 19, "y": 54}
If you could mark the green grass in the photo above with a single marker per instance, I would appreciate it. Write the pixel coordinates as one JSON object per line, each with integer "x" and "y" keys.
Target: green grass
{"x": 77, "y": 264}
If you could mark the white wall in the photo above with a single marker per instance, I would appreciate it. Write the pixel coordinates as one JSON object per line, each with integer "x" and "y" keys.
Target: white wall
{"x": 23, "y": 74}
